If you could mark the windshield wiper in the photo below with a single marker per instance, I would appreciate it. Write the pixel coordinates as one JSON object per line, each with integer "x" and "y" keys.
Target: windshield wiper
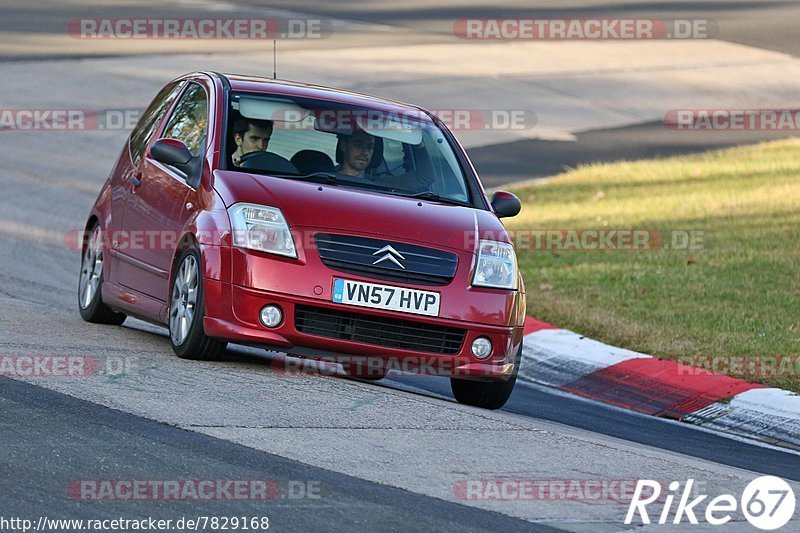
{"x": 430, "y": 195}
{"x": 329, "y": 177}
{"x": 425, "y": 195}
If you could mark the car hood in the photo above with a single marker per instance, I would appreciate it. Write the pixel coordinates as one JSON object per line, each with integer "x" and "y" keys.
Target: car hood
{"x": 336, "y": 207}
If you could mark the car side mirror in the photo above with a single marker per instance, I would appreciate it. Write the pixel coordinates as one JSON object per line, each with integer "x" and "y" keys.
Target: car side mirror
{"x": 174, "y": 153}
{"x": 170, "y": 152}
{"x": 505, "y": 204}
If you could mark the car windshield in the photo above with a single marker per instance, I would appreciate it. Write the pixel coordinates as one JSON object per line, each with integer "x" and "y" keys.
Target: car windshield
{"x": 301, "y": 138}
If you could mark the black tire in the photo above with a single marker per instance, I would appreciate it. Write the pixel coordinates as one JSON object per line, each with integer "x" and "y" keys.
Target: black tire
{"x": 191, "y": 343}
{"x": 486, "y": 394}
{"x": 90, "y": 283}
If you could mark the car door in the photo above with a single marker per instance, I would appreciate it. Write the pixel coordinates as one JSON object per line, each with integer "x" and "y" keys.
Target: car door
{"x": 159, "y": 204}
{"x": 128, "y": 165}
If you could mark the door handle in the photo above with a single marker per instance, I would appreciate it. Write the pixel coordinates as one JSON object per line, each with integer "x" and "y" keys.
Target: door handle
{"x": 137, "y": 180}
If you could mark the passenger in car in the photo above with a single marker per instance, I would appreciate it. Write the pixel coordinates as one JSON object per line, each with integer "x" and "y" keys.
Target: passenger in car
{"x": 250, "y": 135}
{"x": 356, "y": 153}
{"x": 360, "y": 154}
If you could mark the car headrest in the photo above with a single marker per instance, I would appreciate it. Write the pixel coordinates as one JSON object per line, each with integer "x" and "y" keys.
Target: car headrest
{"x": 267, "y": 161}
{"x": 310, "y": 161}
{"x": 377, "y": 152}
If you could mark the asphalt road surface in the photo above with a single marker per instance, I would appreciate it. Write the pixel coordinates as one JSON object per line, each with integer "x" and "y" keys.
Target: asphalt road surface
{"x": 49, "y": 437}
{"x": 768, "y": 24}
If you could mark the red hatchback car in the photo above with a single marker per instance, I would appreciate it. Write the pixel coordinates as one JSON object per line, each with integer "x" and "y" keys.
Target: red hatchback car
{"x": 313, "y": 221}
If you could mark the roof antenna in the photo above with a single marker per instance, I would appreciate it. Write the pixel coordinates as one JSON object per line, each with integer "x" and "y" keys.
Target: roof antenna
{"x": 274, "y": 59}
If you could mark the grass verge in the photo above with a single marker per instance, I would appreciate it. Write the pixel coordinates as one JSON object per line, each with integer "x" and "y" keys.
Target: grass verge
{"x": 719, "y": 280}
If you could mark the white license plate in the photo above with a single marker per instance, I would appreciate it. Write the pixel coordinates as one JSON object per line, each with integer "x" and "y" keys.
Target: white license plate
{"x": 400, "y": 299}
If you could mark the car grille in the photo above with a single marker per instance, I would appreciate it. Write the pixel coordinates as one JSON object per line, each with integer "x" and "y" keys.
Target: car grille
{"x": 378, "y": 331}
{"x": 357, "y": 255}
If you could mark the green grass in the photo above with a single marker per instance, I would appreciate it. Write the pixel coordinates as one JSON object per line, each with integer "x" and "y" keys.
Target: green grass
{"x": 739, "y": 295}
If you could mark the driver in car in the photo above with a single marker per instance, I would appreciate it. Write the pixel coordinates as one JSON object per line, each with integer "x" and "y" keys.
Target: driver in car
{"x": 250, "y": 135}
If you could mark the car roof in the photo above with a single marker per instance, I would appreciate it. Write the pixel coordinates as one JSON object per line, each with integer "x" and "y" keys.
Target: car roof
{"x": 292, "y": 88}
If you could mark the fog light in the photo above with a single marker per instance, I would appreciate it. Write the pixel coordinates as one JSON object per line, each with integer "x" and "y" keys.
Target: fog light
{"x": 271, "y": 315}
{"x": 481, "y": 347}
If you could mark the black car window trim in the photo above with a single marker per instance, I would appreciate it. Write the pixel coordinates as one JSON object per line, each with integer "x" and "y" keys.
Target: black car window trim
{"x": 160, "y": 106}
{"x": 473, "y": 190}
{"x": 169, "y": 169}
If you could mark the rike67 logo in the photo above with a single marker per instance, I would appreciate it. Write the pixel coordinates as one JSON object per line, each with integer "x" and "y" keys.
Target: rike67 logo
{"x": 767, "y": 503}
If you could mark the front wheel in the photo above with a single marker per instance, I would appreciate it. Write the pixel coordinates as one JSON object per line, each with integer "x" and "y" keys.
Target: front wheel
{"x": 186, "y": 310}
{"x": 486, "y": 394}
{"x": 90, "y": 284}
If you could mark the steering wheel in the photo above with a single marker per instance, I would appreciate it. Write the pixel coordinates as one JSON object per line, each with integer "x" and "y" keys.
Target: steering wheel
{"x": 267, "y": 161}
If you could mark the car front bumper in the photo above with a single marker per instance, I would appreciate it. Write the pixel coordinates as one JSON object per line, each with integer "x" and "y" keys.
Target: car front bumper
{"x": 232, "y": 312}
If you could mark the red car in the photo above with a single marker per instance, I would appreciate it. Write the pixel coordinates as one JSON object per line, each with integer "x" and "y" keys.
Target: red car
{"x": 314, "y": 221}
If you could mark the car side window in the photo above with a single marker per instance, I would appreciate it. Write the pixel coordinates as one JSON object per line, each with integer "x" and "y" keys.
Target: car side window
{"x": 189, "y": 120}
{"x": 150, "y": 119}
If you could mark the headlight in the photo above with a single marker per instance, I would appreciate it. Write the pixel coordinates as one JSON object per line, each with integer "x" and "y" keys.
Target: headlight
{"x": 262, "y": 228}
{"x": 497, "y": 266}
